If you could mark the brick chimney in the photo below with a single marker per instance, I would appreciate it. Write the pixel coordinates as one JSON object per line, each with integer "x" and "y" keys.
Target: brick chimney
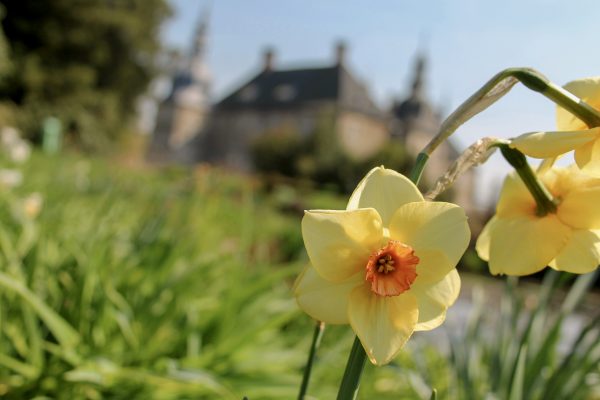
{"x": 269, "y": 59}
{"x": 340, "y": 52}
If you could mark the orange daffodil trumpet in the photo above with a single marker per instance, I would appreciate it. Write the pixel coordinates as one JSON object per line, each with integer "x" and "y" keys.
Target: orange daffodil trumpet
{"x": 518, "y": 241}
{"x": 573, "y": 134}
{"x": 385, "y": 265}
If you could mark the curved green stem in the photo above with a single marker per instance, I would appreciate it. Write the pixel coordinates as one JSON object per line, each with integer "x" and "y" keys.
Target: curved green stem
{"x": 588, "y": 114}
{"x": 479, "y": 101}
{"x": 316, "y": 341}
{"x": 546, "y": 204}
{"x": 354, "y": 368}
{"x": 501, "y": 84}
{"x": 417, "y": 171}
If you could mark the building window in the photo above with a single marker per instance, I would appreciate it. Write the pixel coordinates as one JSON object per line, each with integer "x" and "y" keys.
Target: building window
{"x": 284, "y": 92}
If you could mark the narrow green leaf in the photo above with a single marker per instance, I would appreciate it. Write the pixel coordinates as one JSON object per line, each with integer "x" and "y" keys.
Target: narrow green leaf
{"x": 578, "y": 291}
{"x": 27, "y": 370}
{"x": 433, "y": 394}
{"x": 64, "y": 333}
{"x": 516, "y": 390}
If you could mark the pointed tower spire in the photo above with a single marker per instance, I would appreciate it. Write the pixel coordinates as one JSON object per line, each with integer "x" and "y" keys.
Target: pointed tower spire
{"x": 418, "y": 84}
{"x": 419, "y": 76}
{"x": 201, "y": 30}
{"x": 197, "y": 68}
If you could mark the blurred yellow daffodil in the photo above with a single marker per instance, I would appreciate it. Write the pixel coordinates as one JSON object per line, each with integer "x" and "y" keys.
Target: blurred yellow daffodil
{"x": 516, "y": 241}
{"x": 573, "y": 134}
{"x": 385, "y": 265}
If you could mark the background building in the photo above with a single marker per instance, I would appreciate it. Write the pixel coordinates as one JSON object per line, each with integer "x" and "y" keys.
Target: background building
{"x": 294, "y": 99}
{"x": 189, "y": 130}
{"x": 183, "y": 114}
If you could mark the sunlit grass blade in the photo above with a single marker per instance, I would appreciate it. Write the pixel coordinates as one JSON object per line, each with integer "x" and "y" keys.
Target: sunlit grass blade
{"x": 516, "y": 387}
{"x": 62, "y": 331}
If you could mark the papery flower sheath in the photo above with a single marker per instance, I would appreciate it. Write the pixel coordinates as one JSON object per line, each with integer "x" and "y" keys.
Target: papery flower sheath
{"x": 516, "y": 241}
{"x": 385, "y": 265}
{"x": 572, "y": 133}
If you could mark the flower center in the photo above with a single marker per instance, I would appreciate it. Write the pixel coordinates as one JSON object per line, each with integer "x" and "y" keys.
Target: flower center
{"x": 392, "y": 269}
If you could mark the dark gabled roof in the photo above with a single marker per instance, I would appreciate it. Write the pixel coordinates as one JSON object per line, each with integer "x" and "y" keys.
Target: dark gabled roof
{"x": 285, "y": 89}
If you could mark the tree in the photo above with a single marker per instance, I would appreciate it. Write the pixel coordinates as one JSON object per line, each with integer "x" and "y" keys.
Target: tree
{"x": 85, "y": 62}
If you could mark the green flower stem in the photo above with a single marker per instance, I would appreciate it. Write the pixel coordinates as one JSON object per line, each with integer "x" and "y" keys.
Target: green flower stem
{"x": 354, "y": 368}
{"x": 316, "y": 341}
{"x": 546, "y": 204}
{"x": 588, "y": 114}
{"x": 501, "y": 84}
{"x": 417, "y": 171}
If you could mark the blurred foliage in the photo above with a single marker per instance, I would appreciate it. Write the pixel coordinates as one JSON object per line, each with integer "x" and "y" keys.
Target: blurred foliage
{"x": 527, "y": 356}
{"x": 137, "y": 285}
{"x": 176, "y": 284}
{"x": 278, "y": 150}
{"x": 319, "y": 156}
{"x": 173, "y": 284}
{"x": 5, "y": 61}
{"x": 85, "y": 62}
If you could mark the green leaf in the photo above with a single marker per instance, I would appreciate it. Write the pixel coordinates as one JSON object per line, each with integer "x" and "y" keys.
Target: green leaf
{"x": 27, "y": 370}
{"x": 516, "y": 391}
{"x": 433, "y": 394}
{"x": 64, "y": 333}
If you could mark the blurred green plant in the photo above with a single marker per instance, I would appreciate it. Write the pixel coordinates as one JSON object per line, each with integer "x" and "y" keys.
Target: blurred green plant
{"x": 278, "y": 151}
{"x": 172, "y": 284}
{"x": 175, "y": 284}
{"x": 5, "y": 62}
{"x": 85, "y": 63}
{"x": 145, "y": 285}
{"x": 319, "y": 157}
{"x": 527, "y": 356}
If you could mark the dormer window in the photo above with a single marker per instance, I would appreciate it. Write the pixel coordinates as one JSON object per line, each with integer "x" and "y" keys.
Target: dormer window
{"x": 249, "y": 93}
{"x": 284, "y": 92}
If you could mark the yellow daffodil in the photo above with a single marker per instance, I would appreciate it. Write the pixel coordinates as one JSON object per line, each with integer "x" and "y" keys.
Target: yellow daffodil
{"x": 385, "y": 265}
{"x": 573, "y": 134}
{"x": 516, "y": 241}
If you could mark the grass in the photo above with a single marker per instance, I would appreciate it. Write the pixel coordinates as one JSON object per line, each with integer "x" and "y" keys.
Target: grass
{"x": 176, "y": 284}
{"x": 138, "y": 282}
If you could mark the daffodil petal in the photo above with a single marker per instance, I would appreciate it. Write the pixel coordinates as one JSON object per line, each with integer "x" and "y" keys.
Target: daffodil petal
{"x": 515, "y": 200}
{"x": 433, "y": 266}
{"x": 324, "y": 300}
{"x": 580, "y": 204}
{"x": 587, "y": 158}
{"x": 384, "y": 190}
{"x": 581, "y": 255}
{"x": 435, "y": 300}
{"x": 588, "y": 90}
{"x": 339, "y": 243}
{"x": 525, "y": 245}
{"x": 546, "y": 165}
{"x": 383, "y": 324}
{"x": 482, "y": 246}
{"x": 432, "y": 226}
{"x": 553, "y": 144}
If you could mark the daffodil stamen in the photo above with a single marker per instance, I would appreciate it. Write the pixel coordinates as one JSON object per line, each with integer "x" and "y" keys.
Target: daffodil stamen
{"x": 386, "y": 264}
{"x": 392, "y": 269}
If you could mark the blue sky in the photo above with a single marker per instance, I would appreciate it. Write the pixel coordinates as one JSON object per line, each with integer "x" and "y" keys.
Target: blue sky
{"x": 467, "y": 42}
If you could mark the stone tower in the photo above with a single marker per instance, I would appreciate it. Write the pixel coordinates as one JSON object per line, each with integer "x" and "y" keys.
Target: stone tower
{"x": 183, "y": 114}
